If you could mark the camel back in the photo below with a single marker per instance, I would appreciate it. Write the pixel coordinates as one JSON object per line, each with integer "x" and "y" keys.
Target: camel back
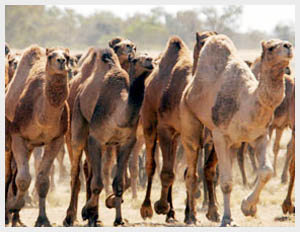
{"x": 26, "y": 68}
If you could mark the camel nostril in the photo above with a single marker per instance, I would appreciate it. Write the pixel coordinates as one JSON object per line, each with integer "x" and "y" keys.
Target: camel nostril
{"x": 61, "y": 61}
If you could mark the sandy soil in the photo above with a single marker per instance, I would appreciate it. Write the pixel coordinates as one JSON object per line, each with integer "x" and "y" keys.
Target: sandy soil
{"x": 269, "y": 208}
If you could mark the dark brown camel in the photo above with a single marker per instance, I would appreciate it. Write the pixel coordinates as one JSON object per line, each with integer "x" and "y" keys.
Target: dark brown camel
{"x": 85, "y": 68}
{"x": 161, "y": 121}
{"x": 118, "y": 117}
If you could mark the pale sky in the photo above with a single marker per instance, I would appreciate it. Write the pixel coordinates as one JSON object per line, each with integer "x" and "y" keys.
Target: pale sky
{"x": 261, "y": 17}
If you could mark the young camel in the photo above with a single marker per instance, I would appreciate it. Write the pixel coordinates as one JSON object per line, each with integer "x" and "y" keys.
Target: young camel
{"x": 160, "y": 118}
{"x": 237, "y": 109}
{"x": 85, "y": 68}
{"x": 38, "y": 115}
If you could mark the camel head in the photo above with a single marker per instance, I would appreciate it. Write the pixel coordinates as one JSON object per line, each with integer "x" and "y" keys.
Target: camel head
{"x": 276, "y": 51}
{"x": 123, "y": 48}
{"x": 141, "y": 64}
{"x": 106, "y": 59}
{"x": 57, "y": 60}
{"x": 200, "y": 41}
{"x": 7, "y": 49}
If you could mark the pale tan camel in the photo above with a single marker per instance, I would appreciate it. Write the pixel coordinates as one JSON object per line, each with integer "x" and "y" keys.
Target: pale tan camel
{"x": 227, "y": 98}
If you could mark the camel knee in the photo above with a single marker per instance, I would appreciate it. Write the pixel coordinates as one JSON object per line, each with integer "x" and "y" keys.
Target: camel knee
{"x": 191, "y": 181}
{"x": 265, "y": 173}
{"x": 167, "y": 178}
{"x": 23, "y": 181}
{"x": 226, "y": 187}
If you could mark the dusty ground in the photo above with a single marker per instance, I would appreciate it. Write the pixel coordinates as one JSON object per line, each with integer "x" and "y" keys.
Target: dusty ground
{"x": 269, "y": 208}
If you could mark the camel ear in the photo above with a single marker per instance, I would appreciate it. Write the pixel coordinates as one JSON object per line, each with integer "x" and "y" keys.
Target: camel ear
{"x": 48, "y": 51}
{"x": 114, "y": 41}
{"x": 198, "y": 37}
{"x": 7, "y": 50}
{"x": 263, "y": 44}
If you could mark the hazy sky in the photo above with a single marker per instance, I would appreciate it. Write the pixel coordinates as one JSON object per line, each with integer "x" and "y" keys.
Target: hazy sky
{"x": 262, "y": 17}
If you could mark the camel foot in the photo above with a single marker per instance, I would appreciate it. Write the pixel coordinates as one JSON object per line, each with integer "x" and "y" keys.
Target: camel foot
{"x": 110, "y": 201}
{"x": 90, "y": 213}
{"x": 95, "y": 223}
{"x": 213, "y": 214}
{"x": 42, "y": 221}
{"x": 161, "y": 207}
{"x": 248, "y": 209}
{"x": 120, "y": 222}
{"x": 146, "y": 210}
{"x": 288, "y": 207}
{"x": 16, "y": 221}
{"x": 6, "y": 219}
{"x": 170, "y": 218}
{"x": 228, "y": 222}
{"x": 69, "y": 220}
{"x": 190, "y": 220}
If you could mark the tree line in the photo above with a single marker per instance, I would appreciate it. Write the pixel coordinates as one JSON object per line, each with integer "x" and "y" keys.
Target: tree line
{"x": 51, "y": 26}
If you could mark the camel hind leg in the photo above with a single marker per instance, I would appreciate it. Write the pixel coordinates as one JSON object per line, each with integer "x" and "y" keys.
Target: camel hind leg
{"x": 168, "y": 145}
{"x": 79, "y": 138}
{"x": 279, "y": 132}
{"x": 150, "y": 134}
{"x": 241, "y": 162}
{"x": 287, "y": 206}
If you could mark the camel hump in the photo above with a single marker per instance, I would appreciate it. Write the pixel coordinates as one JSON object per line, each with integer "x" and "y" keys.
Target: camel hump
{"x": 30, "y": 57}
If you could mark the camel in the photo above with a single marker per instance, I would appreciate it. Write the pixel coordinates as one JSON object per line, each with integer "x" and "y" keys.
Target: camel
{"x": 85, "y": 67}
{"x": 37, "y": 114}
{"x": 280, "y": 123}
{"x": 161, "y": 121}
{"x": 237, "y": 109}
{"x": 108, "y": 101}
{"x": 287, "y": 205}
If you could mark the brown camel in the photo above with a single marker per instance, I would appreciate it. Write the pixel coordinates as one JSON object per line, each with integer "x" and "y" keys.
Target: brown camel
{"x": 287, "y": 206}
{"x": 35, "y": 103}
{"x": 108, "y": 101}
{"x": 161, "y": 121}
{"x": 237, "y": 109}
{"x": 85, "y": 68}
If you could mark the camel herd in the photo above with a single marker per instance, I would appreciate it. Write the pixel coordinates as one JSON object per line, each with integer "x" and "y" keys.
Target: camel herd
{"x": 107, "y": 103}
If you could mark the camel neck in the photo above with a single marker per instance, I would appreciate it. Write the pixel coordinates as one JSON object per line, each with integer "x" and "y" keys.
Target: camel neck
{"x": 271, "y": 87}
{"x": 56, "y": 89}
{"x": 135, "y": 100}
